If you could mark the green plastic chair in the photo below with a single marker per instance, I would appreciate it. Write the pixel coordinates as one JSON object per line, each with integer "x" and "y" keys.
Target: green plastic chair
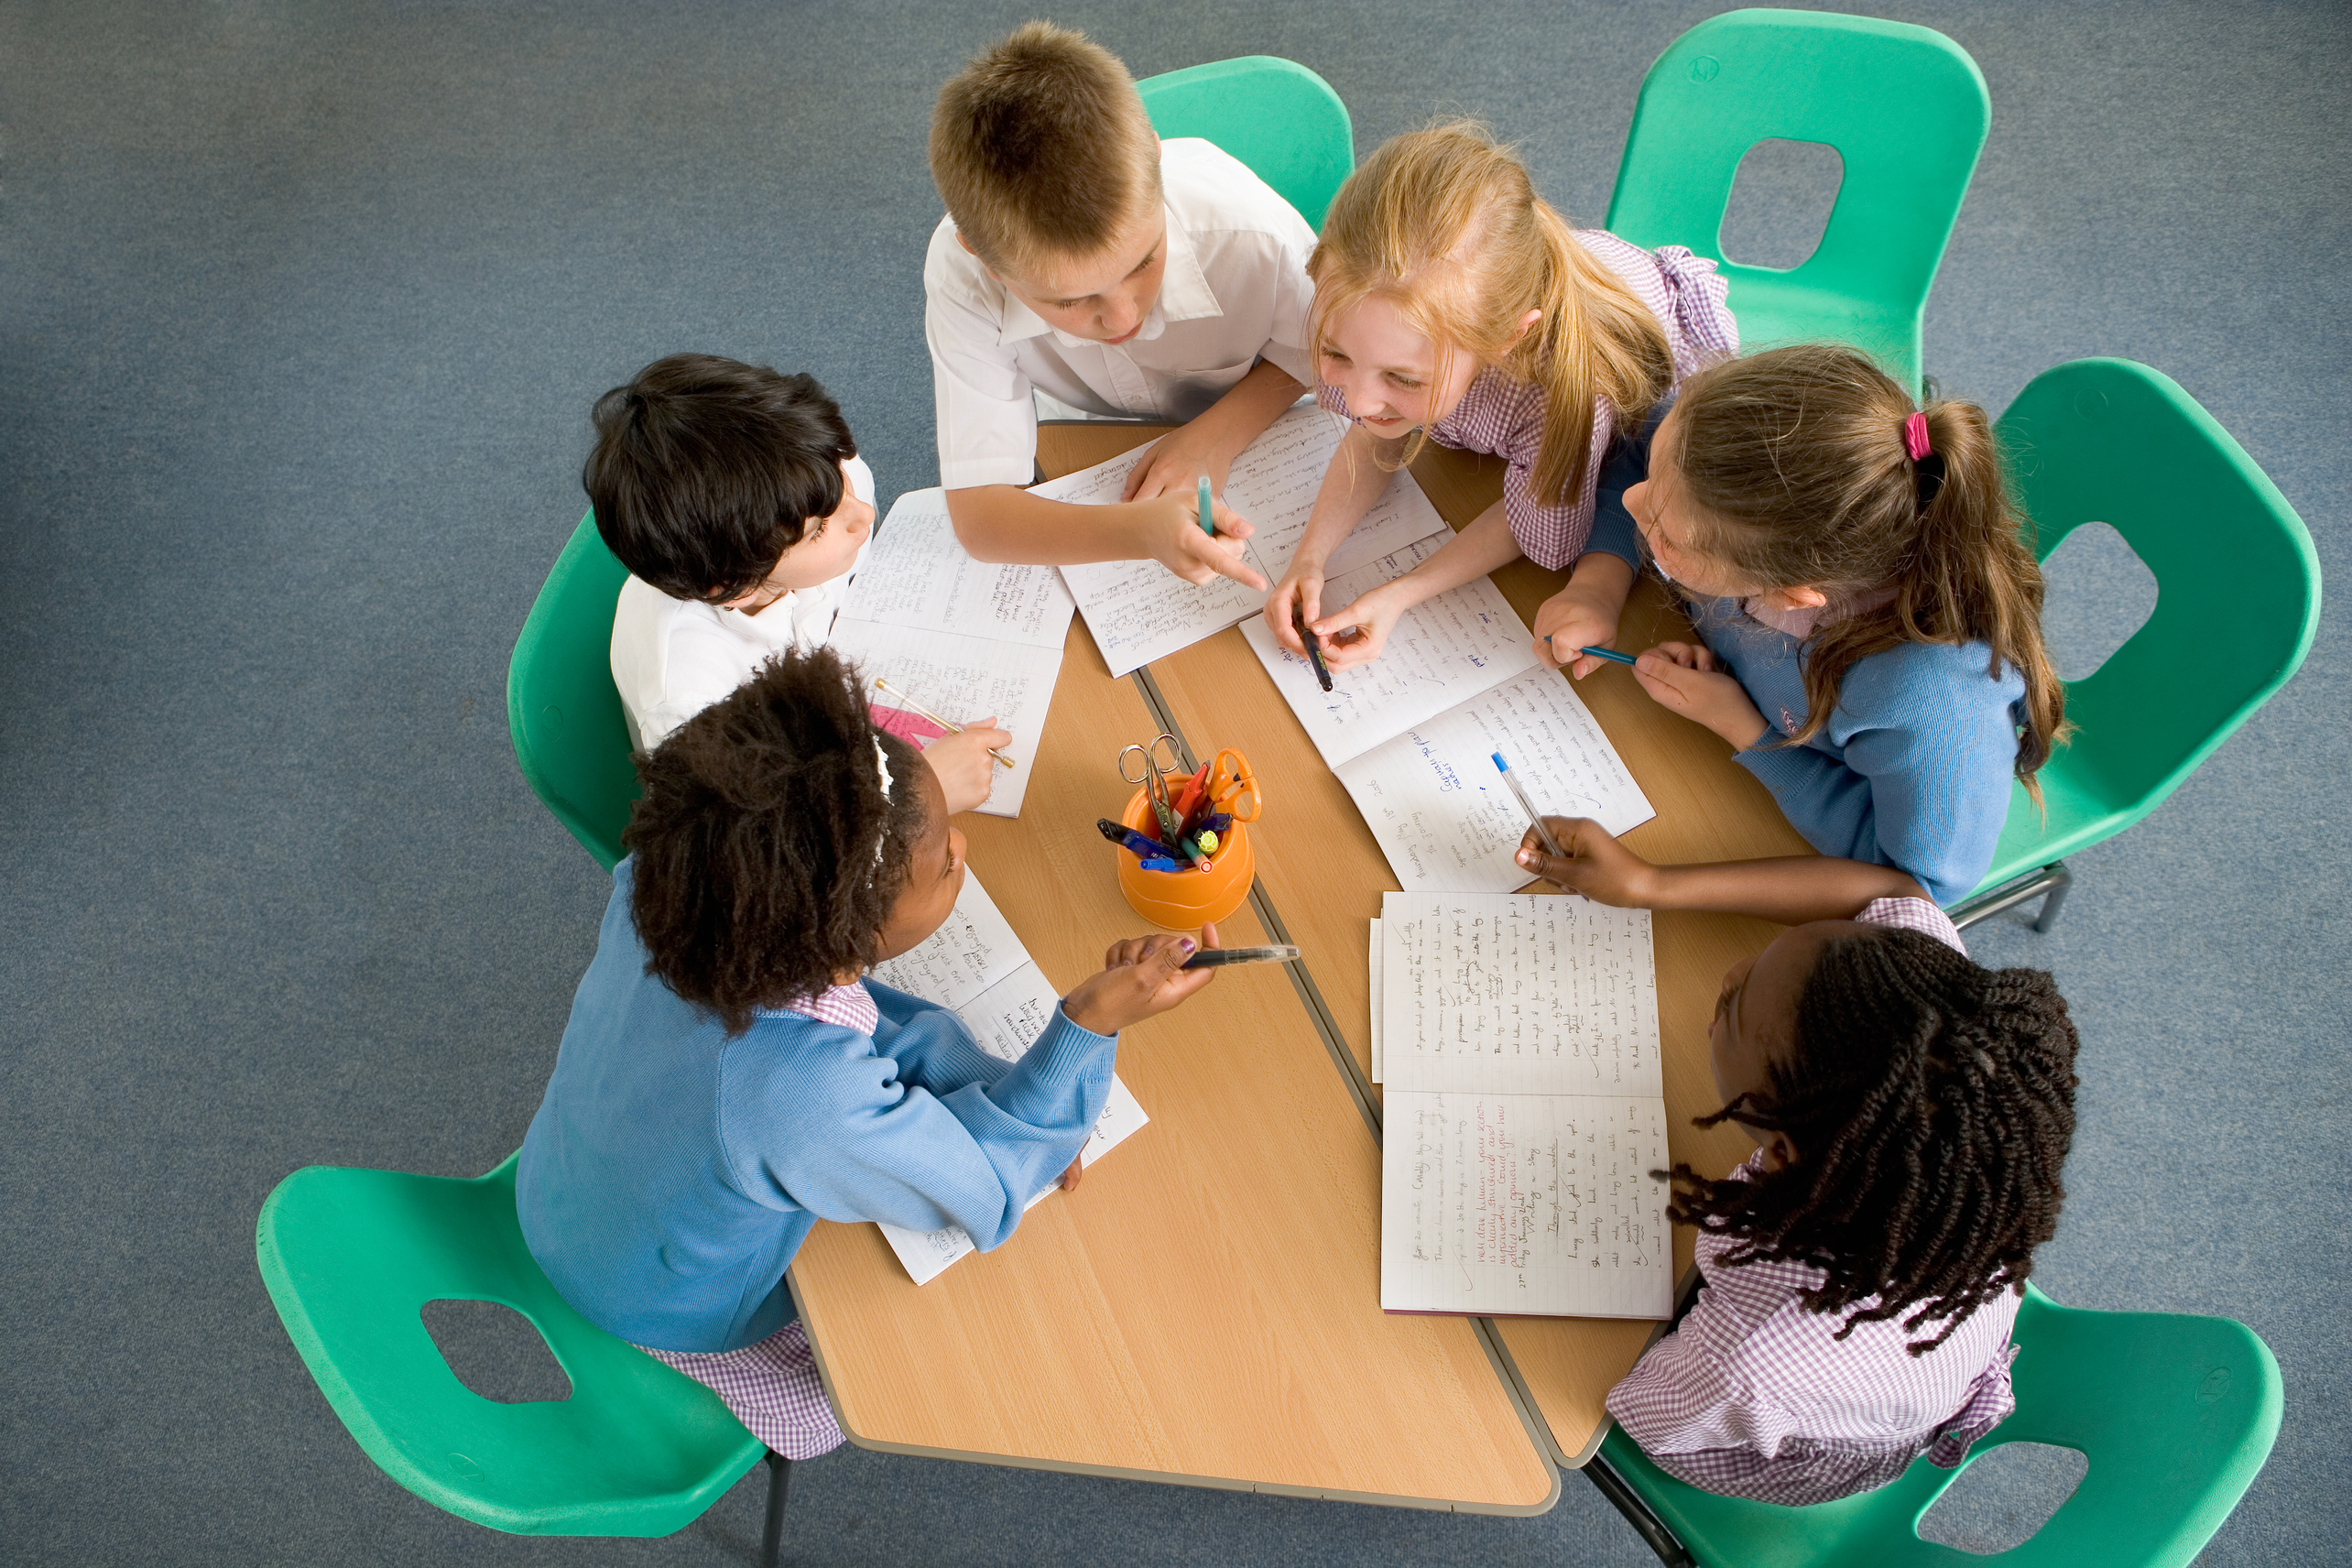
{"x": 351, "y": 1258}
{"x": 1277, "y": 116}
{"x": 2109, "y": 441}
{"x": 2175, "y": 1413}
{"x": 1907, "y": 111}
{"x": 570, "y": 734}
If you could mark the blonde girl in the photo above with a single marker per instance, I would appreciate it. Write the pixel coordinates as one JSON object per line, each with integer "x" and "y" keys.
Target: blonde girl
{"x": 1452, "y": 304}
{"x": 1869, "y": 614}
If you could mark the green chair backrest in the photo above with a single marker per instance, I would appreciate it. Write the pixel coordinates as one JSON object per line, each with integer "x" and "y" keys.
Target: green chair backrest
{"x": 570, "y": 731}
{"x": 2238, "y": 592}
{"x": 351, "y": 1257}
{"x": 1277, "y": 116}
{"x": 1907, "y": 111}
{"x": 2175, "y": 1414}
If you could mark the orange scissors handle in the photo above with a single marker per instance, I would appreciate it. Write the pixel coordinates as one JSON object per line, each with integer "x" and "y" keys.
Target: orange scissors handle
{"x": 1233, "y": 788}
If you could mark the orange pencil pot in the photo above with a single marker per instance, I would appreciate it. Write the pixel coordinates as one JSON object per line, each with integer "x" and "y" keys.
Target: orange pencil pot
{"x": 1185, "y": 900}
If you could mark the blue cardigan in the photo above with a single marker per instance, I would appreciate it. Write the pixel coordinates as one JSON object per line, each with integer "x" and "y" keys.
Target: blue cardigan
{"x": 671, "y": 1173}
{"x": 1912, "y": 770}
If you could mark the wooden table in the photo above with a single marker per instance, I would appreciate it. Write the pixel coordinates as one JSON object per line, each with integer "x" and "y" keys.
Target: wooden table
{"x": 1323, "y": 874}
{"x": 1206, "y": 1308}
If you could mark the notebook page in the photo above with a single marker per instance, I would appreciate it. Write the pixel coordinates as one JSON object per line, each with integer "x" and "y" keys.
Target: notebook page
{"x": 1518, "y": 994}
{"x": 1443, "y": 649}
{"x": 974, "y": 949}
{"x": 1139, "y": 611}
{"x": 1376, "y": 1001}
{"x": 1524, "y": 1205}
{"x": 915, "y": 574}
{"x": 963, "y": 678}
{"x": 1444, "y": 817}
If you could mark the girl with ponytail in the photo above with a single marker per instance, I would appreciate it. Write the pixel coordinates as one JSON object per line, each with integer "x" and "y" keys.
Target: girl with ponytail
{"x": 1868, "y": 611}
{"x": 1453, "y": 304}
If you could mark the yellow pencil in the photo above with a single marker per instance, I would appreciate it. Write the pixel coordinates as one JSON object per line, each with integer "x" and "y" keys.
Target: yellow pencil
{"x": 903, "y": 700}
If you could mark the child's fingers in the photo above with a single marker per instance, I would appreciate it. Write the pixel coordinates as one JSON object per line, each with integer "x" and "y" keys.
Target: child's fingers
{"x": 1230, "y": 523}
{"x": 1075, "y": 1174}
{"x": 1140, "y": 472}
{"x": 1221, "y": 560}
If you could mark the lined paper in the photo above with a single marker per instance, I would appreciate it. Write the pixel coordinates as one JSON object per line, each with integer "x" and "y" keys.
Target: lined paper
{"x": 917, "y": 575}
{"x": 963, "y": 678}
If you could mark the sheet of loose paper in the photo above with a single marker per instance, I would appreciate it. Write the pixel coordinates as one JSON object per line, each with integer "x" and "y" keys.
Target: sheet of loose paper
{"x": 963, "y": 678}
{"x": 1443, "y": 816}
{"x": 1376, "y": 1001}
{"x": 1524, "y": 1205}
{"x": 975, "y": 965}
{"x": 917, "y": 575}
{"x": 1443, "y": 650}
{"x": 1518, "y": 994}
{"x": 1139, "y": 611}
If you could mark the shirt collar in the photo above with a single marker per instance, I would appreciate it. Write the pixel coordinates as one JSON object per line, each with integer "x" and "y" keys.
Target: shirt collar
{"x": 1184, "y": 296}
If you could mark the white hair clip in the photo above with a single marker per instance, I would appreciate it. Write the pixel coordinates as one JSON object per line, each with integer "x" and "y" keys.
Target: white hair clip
{"x": 882, "y": 768}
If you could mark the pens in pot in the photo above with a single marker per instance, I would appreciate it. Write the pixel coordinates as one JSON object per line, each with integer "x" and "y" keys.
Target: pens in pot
{"x": 903, "y": 700}
{"x": 1528, "y": 807}
{"x": 1127, "y": 838}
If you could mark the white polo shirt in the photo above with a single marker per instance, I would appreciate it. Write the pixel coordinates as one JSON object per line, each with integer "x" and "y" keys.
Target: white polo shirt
{"x": 674, "y": 657}
{"x": 1236, "y": 290}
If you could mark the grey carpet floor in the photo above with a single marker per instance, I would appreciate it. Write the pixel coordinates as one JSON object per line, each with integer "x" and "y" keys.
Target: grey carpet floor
{"x": 302, "y": 309}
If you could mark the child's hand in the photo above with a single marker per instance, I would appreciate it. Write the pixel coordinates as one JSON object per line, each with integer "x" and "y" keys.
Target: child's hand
{"x": 1579, "y": 615}
{"x": 1303, "y": 588}
{"x": 1141, "y": 978}
{"x": 1356, "y": 634}
{"x": 1686, "y": 677}
{"x": 1075, "y": 1174}
{"x": 967, "y": 772}
{"x": 1169, "y": 533}
{"x": 1595, "y": 865}
{"x": 1174, "y": 463}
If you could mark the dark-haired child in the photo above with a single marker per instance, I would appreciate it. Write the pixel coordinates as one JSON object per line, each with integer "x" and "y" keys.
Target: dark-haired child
{"x": 1868, "y": 613}
{"x": 726, "y": 1079}
{"x": 1911, "y": 1112}
{"x": 736, "y": 498}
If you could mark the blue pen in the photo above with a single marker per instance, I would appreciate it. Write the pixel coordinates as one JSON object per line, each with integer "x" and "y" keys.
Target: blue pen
{"x": 1207, "y": 527}
{"x": 1612, "y": 655}
{"x": 1160, "y": 863}
{"x": 1528, "y": 806}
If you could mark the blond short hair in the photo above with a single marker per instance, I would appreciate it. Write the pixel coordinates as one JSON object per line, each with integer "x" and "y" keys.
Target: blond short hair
{"x": 1041, "y": 150}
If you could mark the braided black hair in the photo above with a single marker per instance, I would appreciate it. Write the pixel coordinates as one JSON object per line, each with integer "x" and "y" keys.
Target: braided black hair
{"x": 1930, "y": 1103}
{"x": 757, "y": 877}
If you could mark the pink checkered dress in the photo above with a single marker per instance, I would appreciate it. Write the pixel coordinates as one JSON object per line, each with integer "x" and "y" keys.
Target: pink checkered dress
{"x": 1506, "y": 419}
{"x": 772, "y": 1387}
{"x": 1751, "y": 1398}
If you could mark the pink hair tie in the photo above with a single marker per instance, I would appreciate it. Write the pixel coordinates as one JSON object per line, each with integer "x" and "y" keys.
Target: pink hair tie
{"x": 1915, "y": 440}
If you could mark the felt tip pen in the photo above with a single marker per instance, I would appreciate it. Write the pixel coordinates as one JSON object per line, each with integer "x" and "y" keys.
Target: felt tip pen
{"x": 1207, "y": 526}
{"x": 1314, "y": 643}
{"x": 1612, "y": 655}
{"x": 903, "y": 700}
{"x": 1218, "y": 957}
{"x": 1160, "y": 863}
{"x": 1528, "y": 806}
{"x": 1127, "y": 838}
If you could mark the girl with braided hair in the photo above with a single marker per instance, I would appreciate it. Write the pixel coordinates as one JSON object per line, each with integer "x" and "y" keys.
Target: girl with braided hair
{"x": 727, "y": 1079}
{"x": 1861, "y": 1272}
{"x": 1868, "y": 613}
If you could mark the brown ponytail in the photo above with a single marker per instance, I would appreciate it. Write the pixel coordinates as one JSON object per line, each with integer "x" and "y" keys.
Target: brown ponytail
{"x": 1444, "y": 224}
{"x": 1795, "y": 460}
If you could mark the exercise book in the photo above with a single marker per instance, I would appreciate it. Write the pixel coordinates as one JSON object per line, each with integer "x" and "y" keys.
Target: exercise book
{"x": 1413, "y": 734}
{"x": 1523, "y": 1108}
{"x": 974, "y": 965}
{"x": 965, "y": 638}
{"x": 1140, "y": 611}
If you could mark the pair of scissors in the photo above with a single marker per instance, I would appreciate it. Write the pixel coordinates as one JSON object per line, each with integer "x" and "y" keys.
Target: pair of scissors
{"x": 1238, "y": 794}
{"x": 1154, "y": 780}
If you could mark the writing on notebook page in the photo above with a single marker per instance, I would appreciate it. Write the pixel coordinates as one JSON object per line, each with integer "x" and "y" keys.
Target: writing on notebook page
{"x": 918, "y": 576}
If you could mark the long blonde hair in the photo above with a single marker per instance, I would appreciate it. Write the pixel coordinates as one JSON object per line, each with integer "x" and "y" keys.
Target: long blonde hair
{"x": 1796, "y": 459}
{"x": 1444, "y": 225}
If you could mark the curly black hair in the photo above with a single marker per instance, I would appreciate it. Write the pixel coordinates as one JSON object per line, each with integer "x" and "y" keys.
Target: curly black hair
{"x": 757, "y": 838}
{"x": 1930, "y": 1103}
{"x": 706, "y": 471}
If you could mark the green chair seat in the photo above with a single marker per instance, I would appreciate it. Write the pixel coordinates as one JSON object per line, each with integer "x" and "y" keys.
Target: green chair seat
{"x": 570, "y": 734}
{"x": 351, "y": 1257}
{"x": 1277, "y": 116}
{"x": 1906, "y": 110}
{"x": 2238, "y": 593}
{"x": 2175, "y": 1414}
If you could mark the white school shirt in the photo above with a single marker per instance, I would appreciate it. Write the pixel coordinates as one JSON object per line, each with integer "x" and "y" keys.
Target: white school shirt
{"x": 674, "y": 657}
{"x": 1236, "y": 290}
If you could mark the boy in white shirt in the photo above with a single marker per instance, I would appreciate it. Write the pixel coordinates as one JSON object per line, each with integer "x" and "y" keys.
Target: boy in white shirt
{"x": 1084, "y": 258}
{"x": 736, "y": 498}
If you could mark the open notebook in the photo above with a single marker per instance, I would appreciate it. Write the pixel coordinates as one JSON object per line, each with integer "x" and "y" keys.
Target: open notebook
{"x": 1524, "y": 1108}
{"x": 976, "y": 965}
{"x": 1413, "y": 734}
{"x": 962, "y": 637}
{"x": 1140, "y": 611}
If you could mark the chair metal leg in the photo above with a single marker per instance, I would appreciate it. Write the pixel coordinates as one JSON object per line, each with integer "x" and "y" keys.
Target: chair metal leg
{"x": 2049, "y": 883}
{"x": 780, "y": 1487}
{"x": 1618, "y": 1490}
